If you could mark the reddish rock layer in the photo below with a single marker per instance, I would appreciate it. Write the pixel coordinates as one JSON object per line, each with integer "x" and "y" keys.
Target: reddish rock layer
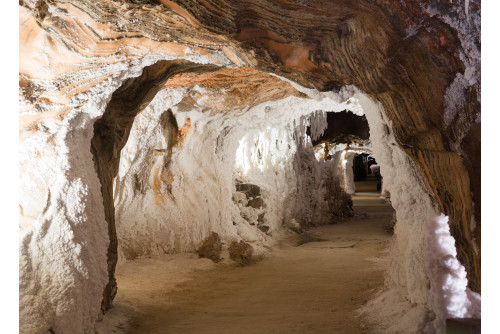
{"x": 400, "y": 53}
{"x": 326, "y": 44}
{"x": 228, "y": 89}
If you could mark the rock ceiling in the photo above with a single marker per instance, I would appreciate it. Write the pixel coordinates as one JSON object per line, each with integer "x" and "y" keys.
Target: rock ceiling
{"x": 420, "y": 64}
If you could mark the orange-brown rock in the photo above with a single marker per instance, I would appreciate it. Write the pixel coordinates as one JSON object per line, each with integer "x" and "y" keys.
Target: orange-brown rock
{"x": 228, "y": 88}
{"x": 326, "y": 44}
{"x": 406, "y": 56}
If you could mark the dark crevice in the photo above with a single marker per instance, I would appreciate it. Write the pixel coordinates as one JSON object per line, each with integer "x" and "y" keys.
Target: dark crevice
{"x": 343, "y": 127}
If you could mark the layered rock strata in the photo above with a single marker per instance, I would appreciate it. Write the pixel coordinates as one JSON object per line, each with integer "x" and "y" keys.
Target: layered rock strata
{"x": 87, "y": 68}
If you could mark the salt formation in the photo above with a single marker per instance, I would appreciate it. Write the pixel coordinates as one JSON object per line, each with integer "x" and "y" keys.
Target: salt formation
{"x": 256, "y": 148}
{"x": 343, "y": 162}
{"x": 342, "y": 157}
{"x": 419, "y": 65}
{"x": 407, "y": 295}
{"x": 63, "y": 245}
{"x": 414, "y": 209}
{"x": 265, "y": 145}
{"x": 448, "y": 280}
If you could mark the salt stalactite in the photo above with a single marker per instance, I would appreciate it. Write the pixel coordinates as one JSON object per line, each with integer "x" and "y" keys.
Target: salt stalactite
{"x": 318, "y": 123}
{"x": 450, "y": 296}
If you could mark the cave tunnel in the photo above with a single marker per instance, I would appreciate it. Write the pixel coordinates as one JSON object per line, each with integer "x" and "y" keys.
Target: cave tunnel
{"x": 277, "y": 169}
{"x": 207, "y": 167}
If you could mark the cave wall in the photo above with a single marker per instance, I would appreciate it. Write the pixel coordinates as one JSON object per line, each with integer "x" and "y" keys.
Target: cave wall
{"x": 111, "y": 133}
{"x": 407, "y": 274}
{"x": 67, "y": 251}
{"x": 416, "y": 247}
{"x": 420, "y": 60}
{"x": 169, "y": 198}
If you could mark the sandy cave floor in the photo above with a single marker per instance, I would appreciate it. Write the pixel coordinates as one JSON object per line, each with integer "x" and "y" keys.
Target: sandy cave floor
{"x": 311, "y": 288}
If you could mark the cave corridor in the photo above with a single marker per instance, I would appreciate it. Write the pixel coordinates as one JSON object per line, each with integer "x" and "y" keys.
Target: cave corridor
{"x": 249, "y": 166}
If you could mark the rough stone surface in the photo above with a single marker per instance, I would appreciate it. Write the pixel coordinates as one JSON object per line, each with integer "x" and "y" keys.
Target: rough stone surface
{"x": 419, "y": 60}
{"x": 250, "y": 190}
{"x": 256, "y": 202}
{"x": 241, "y": 252}
{"x": 263, "y": 228}
{"x": 294, "y": 226}
{"x": 211, "y": 247}
{"x": 389, "y": 226}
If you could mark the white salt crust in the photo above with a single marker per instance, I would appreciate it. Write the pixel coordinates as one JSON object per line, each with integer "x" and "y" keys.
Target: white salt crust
{"x": 259, "y": 145}
{"x": 407, "y": 295}
{"x": 450, "y": 297}
{"x": 62, "y": 252}
{"x": 63, "y": 266}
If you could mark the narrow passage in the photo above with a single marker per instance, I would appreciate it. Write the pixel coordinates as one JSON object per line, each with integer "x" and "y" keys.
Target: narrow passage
{"x": 312, "y": 283}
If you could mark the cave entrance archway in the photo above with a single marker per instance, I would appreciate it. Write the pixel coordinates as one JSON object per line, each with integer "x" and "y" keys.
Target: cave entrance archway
{"x": 360, "y": 166}
{"x": 209, "y": 153}
{"x": 111, "y": 133}
{"x": 113, "y": 129}
{"x": 367, "y": 173}
{"x": 111, "y": 136}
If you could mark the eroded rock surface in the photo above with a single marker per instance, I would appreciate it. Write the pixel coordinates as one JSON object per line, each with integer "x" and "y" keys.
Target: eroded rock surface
{"x": 211, "y": 247}
{"x": 88, "y": 68}
{"x": 241, "y": 252}
{"x": 250, "y": 190}
{"x": 256, "y": 202}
